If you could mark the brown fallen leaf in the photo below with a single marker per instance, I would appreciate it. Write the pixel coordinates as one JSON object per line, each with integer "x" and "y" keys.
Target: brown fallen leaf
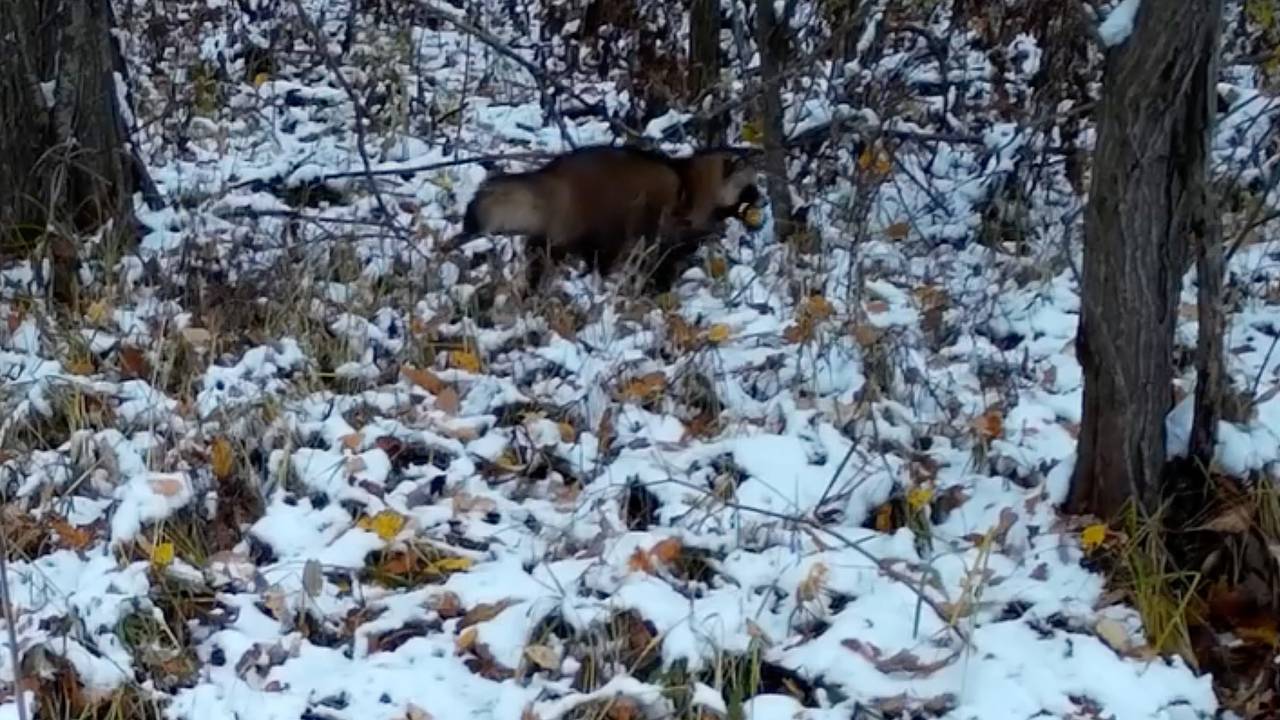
{"x": 1233, "y": 520}
{"x": 897, "y": 231}
{"x": 72, "y": 537}
{"x": 133, "y": 363}
{"x": 542, "y": 657}
{"x": 484, "y": 612}
{"x": 447, "y": 400}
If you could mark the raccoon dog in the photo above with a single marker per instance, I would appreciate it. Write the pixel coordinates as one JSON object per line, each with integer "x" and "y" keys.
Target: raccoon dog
{"x": 596, "y": 202}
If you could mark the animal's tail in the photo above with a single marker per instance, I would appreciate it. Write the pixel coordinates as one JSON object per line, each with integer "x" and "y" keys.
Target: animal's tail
{"x": 503, "y": 204}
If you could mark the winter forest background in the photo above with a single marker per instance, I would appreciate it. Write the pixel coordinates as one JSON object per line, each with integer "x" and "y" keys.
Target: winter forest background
{"x": 271, "y": 448}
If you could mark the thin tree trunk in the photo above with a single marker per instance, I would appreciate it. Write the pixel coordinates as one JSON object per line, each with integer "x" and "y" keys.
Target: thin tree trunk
{"x": 704, "y": 54}
{"x": 65, "y": 166}
{"x": 1149, "y": 184}
{"x": 1210, "y": 370}
{"x": 772, "y": 42}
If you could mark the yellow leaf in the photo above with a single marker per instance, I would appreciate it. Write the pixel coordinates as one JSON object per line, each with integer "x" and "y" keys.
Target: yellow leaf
{"x": 1261, "y": 12}
{"x": 876, "y": 160}
{"x": 752, "y": 132}
{"x": 386, "y": 524}
{"x": 918, "y": 497}
{"x": 718, "y": 333}
{"x": 717, "y": 267}
{"x": 1092, "y": 536}
{"x": 222, "y": 459}
{"x": 79, "y": 366}
{"x": 464, "y": 360}
{"x": 753, "y": 218}
{"x": 260, "y": 79}
{"x": 98, "y": 313}
{"x": 162, "y": 555}
{"x": 453, "y": 564}
{"x": 884, "y": 163}
{"x": 509, "y": 461}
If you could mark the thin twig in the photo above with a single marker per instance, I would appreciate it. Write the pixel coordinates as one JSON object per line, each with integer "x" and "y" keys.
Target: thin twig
{"x": 545, "y": 82}
{"x": 357, "y": 105}
{"x": 411, "y": 169}
{"x": 7, "y": 612}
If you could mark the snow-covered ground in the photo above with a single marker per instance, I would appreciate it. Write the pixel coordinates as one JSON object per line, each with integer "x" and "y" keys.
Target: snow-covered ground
{"x": 475, "y": 508}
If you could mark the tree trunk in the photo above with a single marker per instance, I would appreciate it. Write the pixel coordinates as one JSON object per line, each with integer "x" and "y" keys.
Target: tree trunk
{"x": 772, "y": 42}
{"x": 704, "y": 54}
{"x": 1146, "y": 202}
{"x": 1210, "y": 362}
{"x": 65, "y": 166}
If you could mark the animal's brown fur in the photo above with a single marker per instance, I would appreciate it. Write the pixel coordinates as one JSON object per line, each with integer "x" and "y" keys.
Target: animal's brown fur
{"x": 596, "y": 202}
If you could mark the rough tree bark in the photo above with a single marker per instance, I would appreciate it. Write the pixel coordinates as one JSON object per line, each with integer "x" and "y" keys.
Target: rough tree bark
{"x": 1147, "y": 207}
{"x": 64, "y": 161}
{"x": 772, "y": 42}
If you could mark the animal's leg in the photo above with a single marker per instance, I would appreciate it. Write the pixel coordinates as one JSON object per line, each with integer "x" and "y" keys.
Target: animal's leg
{"x": 539, "y": 254}
{"x": 676, "y": 244}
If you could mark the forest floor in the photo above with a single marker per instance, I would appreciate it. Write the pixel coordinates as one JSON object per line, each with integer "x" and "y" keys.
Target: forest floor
{"x": 291, "y": 459}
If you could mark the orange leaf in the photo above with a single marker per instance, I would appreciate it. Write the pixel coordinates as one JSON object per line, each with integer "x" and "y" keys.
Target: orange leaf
{"x": 667, "y": 551}
{"x": 645, "y": 386}
{"x": 567, "y": 433}
{"x": 167, "y": 486}
{"x": 877, "y": 306}
{"x": 817, "y": 307}
{"x": 884, "y": 518}
{"x": 424, "y": 379}
{"x": 989, "y": 425}
{"x": 639, "y": 562}
{"x": 71, "y": 536}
